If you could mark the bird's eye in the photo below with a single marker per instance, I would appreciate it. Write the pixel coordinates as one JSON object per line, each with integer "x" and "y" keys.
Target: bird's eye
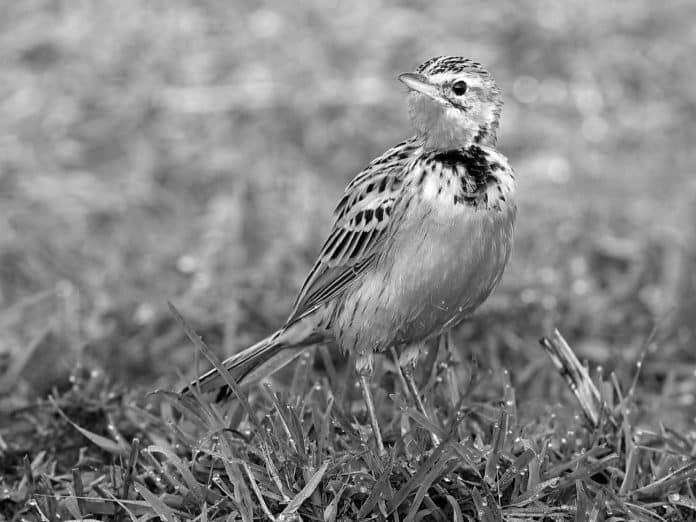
{"x": 459, "y": 88}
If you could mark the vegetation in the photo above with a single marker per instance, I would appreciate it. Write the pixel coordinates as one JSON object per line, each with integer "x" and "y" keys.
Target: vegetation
{"x": 192, "y": 153}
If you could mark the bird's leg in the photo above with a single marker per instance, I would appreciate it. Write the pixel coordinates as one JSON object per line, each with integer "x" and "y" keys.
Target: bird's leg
{"x": 407, "y": 363}
{"x": 452, "y": 361}
{"x": 400, "y": 369}
{"x": 363, "y": 367}
{"x": 430, "y": 370}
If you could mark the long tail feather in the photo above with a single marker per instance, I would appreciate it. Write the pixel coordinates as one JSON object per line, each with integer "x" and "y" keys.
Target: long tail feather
{"x": 256, "y": 362}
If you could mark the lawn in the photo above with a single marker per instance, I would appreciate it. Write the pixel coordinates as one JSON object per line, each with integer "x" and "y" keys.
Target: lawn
{"x": 192, "y": 153}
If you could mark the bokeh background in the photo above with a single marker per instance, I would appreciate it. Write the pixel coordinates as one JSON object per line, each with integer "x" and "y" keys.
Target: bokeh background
{"x": 194, "y": 151}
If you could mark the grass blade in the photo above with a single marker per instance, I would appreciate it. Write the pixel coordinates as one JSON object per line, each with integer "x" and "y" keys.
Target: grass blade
{"x": 304, "y": 494}
{"x": 198, "y": 342}
{"x": 101, "y": 441}
{"x": 156, "y": 503}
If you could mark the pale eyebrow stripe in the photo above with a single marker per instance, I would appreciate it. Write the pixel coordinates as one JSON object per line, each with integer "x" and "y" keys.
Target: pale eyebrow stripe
{"x": 472, "y": 81}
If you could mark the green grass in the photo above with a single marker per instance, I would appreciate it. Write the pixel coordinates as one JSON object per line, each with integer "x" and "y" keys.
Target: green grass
{"x": 193, "y": 153}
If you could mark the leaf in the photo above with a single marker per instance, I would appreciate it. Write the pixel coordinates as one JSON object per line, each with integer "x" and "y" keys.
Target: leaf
{"x": 682, "y": 501}
{"x": 331, "y": 510}
{"x": 576, "y": 375}
{"x": 582, "y": 510}
{"x": 304, "y": 494}
{"x": 535, "y": 493}
{"x": 416, "y": 479}
{"x": 500, "y": 429}
{"x": 456, "y": 510}
{"x": 423, "y": 489}
{"x": 224, "y": 373}
{"x": 101, "y": 441}
{"x": 516, "y": 468}
{"x": 184, "y": 470}
{"x": 156, "y": 503}
{"x": 376, "y": 492}
{"x": 484, "y": 509}
{"x": 256, "y": 489}
{"x": 655, "y": 489}
{"x": 242, "y": 495}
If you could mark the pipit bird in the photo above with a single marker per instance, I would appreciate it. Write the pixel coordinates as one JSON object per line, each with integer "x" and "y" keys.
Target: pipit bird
{"x": 420, "y": 237}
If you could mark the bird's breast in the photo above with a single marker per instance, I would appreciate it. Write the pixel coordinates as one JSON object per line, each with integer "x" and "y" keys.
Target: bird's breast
{"x": 452, "y": 260}
{"x": 444, "y": 256}
{"x": 453, "y": 183}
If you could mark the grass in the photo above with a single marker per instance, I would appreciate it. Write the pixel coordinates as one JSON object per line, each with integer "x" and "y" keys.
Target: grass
{"x": 305, "y": 454}
{"x": 193, "y": 153}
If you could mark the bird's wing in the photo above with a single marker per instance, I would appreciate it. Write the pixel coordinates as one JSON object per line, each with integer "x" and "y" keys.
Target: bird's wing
{"x": 360, "y": 222}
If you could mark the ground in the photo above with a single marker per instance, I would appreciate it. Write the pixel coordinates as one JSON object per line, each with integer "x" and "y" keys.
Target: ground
{"x": 193, "y": 152}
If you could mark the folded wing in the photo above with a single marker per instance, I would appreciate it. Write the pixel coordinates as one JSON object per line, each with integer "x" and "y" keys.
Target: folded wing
{"x": 361, "y": 223}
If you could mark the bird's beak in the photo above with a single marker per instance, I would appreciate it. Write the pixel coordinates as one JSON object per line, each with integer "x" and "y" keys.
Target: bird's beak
{"x": 419, "y": 83}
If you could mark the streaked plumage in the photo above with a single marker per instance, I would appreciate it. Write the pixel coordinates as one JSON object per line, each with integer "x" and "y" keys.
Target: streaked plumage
{"x": 420, "y": 237}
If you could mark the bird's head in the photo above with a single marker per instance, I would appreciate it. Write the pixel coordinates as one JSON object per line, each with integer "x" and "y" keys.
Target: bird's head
{"x": 453, "y": 102}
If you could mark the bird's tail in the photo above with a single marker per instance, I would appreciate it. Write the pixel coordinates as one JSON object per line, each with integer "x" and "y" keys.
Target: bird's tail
{"x": 258, "y": 361}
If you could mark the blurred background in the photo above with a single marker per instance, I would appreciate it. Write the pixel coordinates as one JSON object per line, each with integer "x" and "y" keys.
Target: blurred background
{"x": 194, "y": 151}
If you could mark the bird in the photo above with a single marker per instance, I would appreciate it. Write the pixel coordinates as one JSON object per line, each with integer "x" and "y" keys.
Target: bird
{"x": 420, "y": 238}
